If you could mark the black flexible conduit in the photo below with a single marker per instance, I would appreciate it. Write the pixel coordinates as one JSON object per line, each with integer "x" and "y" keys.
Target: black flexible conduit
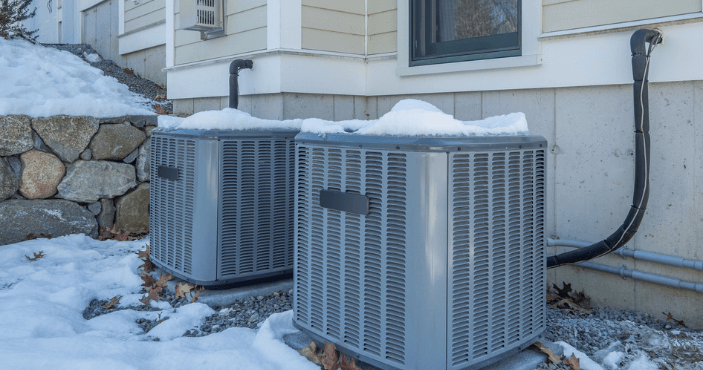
{"x": 640, "y": 71}
{"x": 234, "y": 68}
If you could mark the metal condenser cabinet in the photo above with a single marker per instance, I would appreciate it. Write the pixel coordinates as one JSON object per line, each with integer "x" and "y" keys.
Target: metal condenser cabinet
{"x": 222, "y": 204}
{"x": 420, "y": 253}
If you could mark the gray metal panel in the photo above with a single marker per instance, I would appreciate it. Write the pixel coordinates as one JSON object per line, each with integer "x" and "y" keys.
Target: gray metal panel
{"x": 206, "y": 203}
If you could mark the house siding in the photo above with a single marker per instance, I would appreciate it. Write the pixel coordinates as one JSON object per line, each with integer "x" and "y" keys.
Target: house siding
{"x": 143, "y": 13}
{"x": 336, "y": 25}
{"x": 245, "y": 27}
{"x": 559, "y": 15}
{"x": 382, "y": 27}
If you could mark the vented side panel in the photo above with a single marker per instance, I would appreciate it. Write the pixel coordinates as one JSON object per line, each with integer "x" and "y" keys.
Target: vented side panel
{"x": 497, "y": 261}
{"x": 350, "y": 268}
{"x": 171, "y": 203}
{"x": 256, "y": 228}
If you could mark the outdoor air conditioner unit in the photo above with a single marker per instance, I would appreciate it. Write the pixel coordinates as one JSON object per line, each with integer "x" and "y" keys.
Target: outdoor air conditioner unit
{"x": 421, "y": 253}
{"x": 222, "y": 204}
{"x": 201, "y": 15}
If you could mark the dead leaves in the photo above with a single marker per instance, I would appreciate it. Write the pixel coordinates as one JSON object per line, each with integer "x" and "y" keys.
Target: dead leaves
{"x": 328, "y": 358}
{"x": 118, "y": 234}
{"x": 159, "y": 109}
{"x": 113, "y": 302}
{"x": 129, "y": 71}
{"x": 671, "y": 318}
{"x": 160, "y": 97}
{"x": 31, "y": 236}
{"x": 572, "y": 362}
{"x": 182, "y": 289}
{"x": 575, "y": 302}
{"x": 36, "y": 256}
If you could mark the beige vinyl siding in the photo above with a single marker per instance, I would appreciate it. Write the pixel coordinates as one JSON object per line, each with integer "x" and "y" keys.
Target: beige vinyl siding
{"x": 382, "y": 27}
{"x": 143, "y": 14}
{"x": 334, "y": 25}
{"x": 559, "y": 15}
{"x": 245, "y": 27}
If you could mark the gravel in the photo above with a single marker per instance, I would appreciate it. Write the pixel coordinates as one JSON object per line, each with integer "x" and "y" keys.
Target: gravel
{"x": 136, "y": 84}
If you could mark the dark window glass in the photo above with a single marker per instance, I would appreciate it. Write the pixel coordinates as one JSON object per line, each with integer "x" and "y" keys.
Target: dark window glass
{"x": 457, "y": 30}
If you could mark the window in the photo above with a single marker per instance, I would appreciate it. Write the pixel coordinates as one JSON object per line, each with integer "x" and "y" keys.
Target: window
{"x": 445, "y": 31}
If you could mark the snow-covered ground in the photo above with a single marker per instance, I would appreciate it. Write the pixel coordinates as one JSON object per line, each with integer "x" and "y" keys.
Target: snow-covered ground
{"x": 42, "y": 324}
{"x": 38, "y": 81}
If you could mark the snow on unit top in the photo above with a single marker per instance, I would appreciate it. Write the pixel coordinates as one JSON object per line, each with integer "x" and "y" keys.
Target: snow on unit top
{"x": 418, "y": 118}
{"x": 40, "y": 81}
{"x": 233, "y": 119}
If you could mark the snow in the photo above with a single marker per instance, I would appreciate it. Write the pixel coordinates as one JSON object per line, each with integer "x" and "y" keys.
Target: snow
{"x": 585, "y": 362}
{"x": 92, "y": 58}
{"x": 169, "y": 122}
{"x": 39, "y": 81}
{"x": 234, "y": 119}
{"x": 612, "y": 359}
{"x": 418, "y": 118}
{"x": 642, "y": 363}
{"x": 42, "y": 326}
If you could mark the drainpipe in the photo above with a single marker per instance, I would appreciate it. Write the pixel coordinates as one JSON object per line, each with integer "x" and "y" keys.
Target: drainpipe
{"x": 640, "y": 69}
{"x": 234, "y": 68}
{"x": 638, "y": 255}
{"x": 644, "y": 276}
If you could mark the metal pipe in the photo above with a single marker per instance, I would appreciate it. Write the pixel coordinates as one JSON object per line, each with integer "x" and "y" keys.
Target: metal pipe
{"x": 638, "y": 255}
{"x": 234, "y": 68}
{"x": 644, "y": 276}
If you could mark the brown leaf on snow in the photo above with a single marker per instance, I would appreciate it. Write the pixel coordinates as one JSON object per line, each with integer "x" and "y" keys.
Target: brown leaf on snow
{"x": 310, "y": 352}
{"x": 160, "y": 97}
{"x": 330, "y": 362}
{"x": 144, "y": 253}
{"x": 668, "y": 316}
{"x": 36, "y": 256}
{"x": 159, "y": 109}
{"x": 148, "y": 280}
{"x": 182, "y": 289}
{"x": 552, "y": 357}
{"x": 147, "y": 266}
{"x": 196, "y": 293}
{"x": 113, "y": 302}
{"x": 573, "y": 362}
{"x": 153, "y": 294}
{"x": 346, "y": 365}
{"x": 163, "y": 280}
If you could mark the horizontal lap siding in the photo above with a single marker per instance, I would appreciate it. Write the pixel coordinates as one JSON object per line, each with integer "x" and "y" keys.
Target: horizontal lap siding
{"x": 333, "y": 25}
{"x": 143, "y": 14}
{"x": 245, "y": 25}
{"x": 559, "y": 15}
{"x": 382, "y": 27}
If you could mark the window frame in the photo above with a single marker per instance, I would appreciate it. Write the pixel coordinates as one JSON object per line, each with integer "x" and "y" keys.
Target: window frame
{"x": 506, "y": 45}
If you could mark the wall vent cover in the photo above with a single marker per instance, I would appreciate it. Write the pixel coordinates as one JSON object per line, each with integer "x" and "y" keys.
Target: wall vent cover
{"x": 222, "y": 204}
{"x": 201, "y": 15}
{"x": 449, "y": 258}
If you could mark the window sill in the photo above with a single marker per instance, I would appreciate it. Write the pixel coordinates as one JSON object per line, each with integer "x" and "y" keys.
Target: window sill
{"x": 475, "y": 65}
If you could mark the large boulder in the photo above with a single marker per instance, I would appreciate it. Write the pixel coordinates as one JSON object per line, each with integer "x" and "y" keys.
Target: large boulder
{"x": 54, "y": 217}
{"x": 41, "y": 173}
{"x": 15, "y": 135}
{"x": 116, "y": 141}
{"x": 133, "y": 210}
{"x": 88, "y": 181}
{"x": 143, "y": 161}
{"x": 9, "y": 183}
{"x": 67, "y": 136}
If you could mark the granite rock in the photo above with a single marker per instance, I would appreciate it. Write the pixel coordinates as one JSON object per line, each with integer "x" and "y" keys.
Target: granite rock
{"x": 116, "y": 141}
{"x": 15, "y": 135}
{"x": 67, "y": 136}
{"x": 143, "y": 161}
{"x": 53, "y": 217}
{"x": 9, "y": 183}
{"x": 133, "y": 210}
{"x": 41, "y": 173}
{"x": 106, "y": 218}
{"x": 88, "y": 181}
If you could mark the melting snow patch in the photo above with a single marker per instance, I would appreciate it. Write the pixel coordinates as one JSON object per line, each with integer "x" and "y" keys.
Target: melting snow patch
{"x": 585, "y": 362}
{"x": 233, "y": 119}
{"x": 169, "y": 122}
{"x": 39, "y": 81}
{"x": 642, "y": 363}
{"x": 92, "y": 58}
{"x": 418, "y": 118}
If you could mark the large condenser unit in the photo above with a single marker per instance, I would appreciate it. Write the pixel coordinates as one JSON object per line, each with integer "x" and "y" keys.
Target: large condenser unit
{"x": 421, "y": 253}
{"x": 222, "y": 204}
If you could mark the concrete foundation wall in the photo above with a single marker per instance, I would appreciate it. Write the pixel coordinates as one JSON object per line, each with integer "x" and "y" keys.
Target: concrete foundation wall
{"x": 590, "y": 171}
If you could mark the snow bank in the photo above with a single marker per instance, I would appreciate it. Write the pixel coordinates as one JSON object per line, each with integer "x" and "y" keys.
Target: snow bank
{"x": 38, "y": 81}
{"x": 233, "y": 119}
{"x": 42, "y": 326}
{"x": 418, "y": 118}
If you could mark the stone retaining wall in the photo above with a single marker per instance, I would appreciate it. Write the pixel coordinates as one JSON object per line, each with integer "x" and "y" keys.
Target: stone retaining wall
{"x": 62, "y": 175}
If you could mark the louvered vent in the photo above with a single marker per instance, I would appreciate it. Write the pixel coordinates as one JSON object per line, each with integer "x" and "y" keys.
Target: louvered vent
{"x": 201, "y": 15}
{"x": 350, "y": 268}
{"x": 171, "y": 212}
{"x": 497, "y": 277}
{"x": 222, "y": 205}
{"x": 257, "y": 227}
{"x": 447, "y": 269}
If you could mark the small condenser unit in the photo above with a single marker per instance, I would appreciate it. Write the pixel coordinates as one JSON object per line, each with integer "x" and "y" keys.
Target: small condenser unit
{"x": 420, "y": 253}
{"x": 222, "y": 204}
{"x": 201, "y": 15}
